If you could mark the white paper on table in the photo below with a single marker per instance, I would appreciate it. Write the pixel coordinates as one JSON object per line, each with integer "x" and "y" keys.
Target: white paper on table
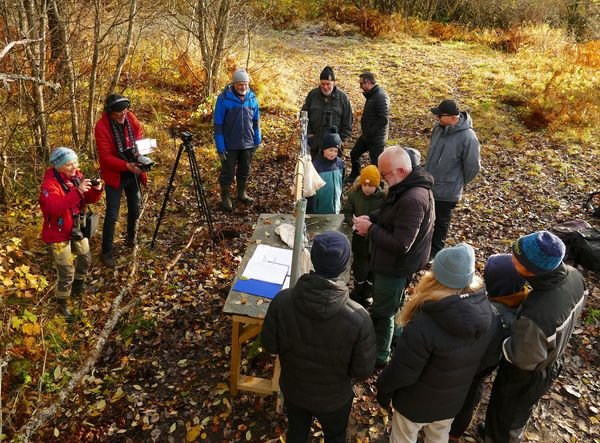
{"x": 269, "y": 264}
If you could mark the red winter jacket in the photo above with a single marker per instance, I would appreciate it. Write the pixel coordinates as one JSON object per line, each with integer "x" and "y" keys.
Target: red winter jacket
{"x": 58, "y": 206}
{"x": 111, "y": 164}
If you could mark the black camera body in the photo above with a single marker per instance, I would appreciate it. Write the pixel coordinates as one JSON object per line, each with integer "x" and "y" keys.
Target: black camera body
{"x": 95, "y": 181}
{"x": 186, "y": 137}
{"x": 141, "y": 161}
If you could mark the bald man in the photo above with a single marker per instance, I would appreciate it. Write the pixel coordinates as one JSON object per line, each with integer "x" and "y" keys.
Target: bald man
{"x": 399, "y": 237}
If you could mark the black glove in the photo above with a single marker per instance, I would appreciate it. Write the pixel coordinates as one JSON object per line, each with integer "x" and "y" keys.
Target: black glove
{"x": 223, "y": 156}
{"x": 384, "y": 399}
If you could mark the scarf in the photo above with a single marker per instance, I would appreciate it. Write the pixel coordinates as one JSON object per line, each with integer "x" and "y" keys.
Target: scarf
{"x": 119, "y": 138}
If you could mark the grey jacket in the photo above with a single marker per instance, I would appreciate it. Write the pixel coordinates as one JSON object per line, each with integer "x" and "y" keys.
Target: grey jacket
{"x": 453, "y": 158}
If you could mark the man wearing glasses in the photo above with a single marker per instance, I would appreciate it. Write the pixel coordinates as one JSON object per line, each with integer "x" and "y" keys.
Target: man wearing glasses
{"x": 399, "y": 240}
{"x": 115, "y": 134}
{"x": 373, "y": 124}
{"x": 453, "y": 160}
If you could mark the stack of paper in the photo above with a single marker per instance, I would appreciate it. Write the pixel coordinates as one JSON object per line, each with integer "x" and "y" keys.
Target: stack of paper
{"x": 267, "y": 272}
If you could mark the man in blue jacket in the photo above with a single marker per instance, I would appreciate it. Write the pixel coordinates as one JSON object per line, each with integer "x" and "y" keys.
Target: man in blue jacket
{"x": 453, "y": 160}
{"x": 237, "y": 135}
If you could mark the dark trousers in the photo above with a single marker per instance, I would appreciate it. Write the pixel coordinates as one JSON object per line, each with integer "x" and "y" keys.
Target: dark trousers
{"x": 236, "y": 165}
{"x": 334, "y": 424}
{"x": 362, "y": 146}
{"x": 131, "y": 187}
{"x": 514, "y": 395}
{"x": 443, "y": 215}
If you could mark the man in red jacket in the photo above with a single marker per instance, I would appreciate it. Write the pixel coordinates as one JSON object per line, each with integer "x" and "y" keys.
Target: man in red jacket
{"x": 63, "y": 198}
{"x": 116, "y": 133}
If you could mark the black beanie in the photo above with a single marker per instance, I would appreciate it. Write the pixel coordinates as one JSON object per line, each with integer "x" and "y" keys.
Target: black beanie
{"x": 332, "y": 138}
{"x": 330, "y": 254}
{"x": 327, "y": 74}
{"x": 116, "y": 103}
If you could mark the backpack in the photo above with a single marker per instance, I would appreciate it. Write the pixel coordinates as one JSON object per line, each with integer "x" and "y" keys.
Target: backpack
{"x": 585, "y": 249}
{"x": 568, "y": 231}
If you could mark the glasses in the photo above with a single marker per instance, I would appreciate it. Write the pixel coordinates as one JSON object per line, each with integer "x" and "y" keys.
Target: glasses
{"x": 385, "y": 174}
{"x": 124, "y": 111}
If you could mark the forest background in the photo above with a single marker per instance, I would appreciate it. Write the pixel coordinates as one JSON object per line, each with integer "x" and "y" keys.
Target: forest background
{"x": 148, "y": 357}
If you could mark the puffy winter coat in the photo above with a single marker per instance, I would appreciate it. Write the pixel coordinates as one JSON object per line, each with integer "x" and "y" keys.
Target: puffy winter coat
{"x": 546, "y": 319}
{"x": 323, "y": 112}
{"x": 374, "y": 122}
{"x": 357, "y": 204}
{"x": 112, "y": 165}
{"x": 323, "y": 339}
{"x": 328, "y": 199}
{"x": 437, "y": 355}
{"x": 400, "y": 237}
{"x": 453, "y": 158}
{"x": 237, "y": 122}
{"x": 59, "y": 207}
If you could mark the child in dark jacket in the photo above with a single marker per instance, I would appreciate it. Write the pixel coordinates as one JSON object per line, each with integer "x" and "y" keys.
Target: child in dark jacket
{"x": 328, "y": 199}
{"x": 506, "y": 290}
{"x": 324, "y": 340}
{"x": 364, "y": 197}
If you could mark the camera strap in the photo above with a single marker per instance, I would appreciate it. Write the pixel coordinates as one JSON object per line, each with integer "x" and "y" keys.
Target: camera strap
{"x": 75, "y": 182}
{"x": 118, "y": 136}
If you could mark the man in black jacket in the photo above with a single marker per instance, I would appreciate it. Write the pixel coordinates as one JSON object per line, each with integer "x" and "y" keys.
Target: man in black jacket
{"x": 324, "y": 340}
{"x": 399, "y": 239}
{"x": 374, "y": 124}
{"x": 532, "y": 355}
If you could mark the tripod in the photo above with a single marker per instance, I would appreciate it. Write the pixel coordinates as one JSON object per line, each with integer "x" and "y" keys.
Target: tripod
{"x": 203, "y": 208}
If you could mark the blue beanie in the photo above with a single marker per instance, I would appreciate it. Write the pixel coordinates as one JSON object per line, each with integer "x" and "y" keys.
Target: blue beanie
{"x": 454, "y": 267}
{"x": 330, "y": 254}
{"x": 501, "y": 277}
{"x": 332, "y": 138}
{"x": 62, "y": 156}
{"x": 540, "y": 252}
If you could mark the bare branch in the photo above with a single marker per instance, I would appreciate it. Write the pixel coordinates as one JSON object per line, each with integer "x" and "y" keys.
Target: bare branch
{"x": 8, "y": 47}
{"x": 6, "y": 78}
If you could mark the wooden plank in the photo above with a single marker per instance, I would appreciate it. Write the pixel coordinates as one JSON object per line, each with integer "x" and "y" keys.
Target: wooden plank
{"x": 258, "y": 385}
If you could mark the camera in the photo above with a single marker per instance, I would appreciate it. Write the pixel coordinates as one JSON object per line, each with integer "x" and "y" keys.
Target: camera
{"x": 132, "y": 155}
{"x": 186, "y": 137}
{"x": 94, "y": 181}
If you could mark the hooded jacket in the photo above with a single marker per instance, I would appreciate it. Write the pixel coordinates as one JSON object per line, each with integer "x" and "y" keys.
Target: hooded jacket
{"x": 374, "y": 122}
{"x": 236, "y": 121}
{"x": 59, "y": 207}
{"x": 400, "y": 237}
{"x": 323, "y": 339}
{"x": 437, "y": 356}
{"x": 453, "y": 158}
{"x": 357, "y": 203}
{"x": 112, "y": 165}
{"x": 323, "y": 112}
{"x": 328, "y": 199}
{"x": 546, "y": 319}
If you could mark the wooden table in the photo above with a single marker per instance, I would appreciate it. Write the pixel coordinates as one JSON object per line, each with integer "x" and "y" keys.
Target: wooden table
{"x": 248, "y": 311}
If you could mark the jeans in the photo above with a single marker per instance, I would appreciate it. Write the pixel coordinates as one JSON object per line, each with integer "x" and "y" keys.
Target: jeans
{"x": 388, "y": 298}
{"x": 362, "y": 146}
{"x": 443, "y": 215}
{"x": 62, "y": 255}
{"x": 236, "y": 165}
{"x": 334, "y": 424}
{"x": 130, "y": 185}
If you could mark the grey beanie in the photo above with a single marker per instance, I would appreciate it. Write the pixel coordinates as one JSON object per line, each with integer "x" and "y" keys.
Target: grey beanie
{"x": 240, "y": 75}
{"x": 415, "y": 156}
{"x": 454, "y": 267}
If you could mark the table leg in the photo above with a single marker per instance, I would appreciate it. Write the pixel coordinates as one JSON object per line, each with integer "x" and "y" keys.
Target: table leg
{"x": 236, "y": 350}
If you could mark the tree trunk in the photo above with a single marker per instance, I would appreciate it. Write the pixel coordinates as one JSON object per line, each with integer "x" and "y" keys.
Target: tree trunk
{"x": 89, "y": 121}
{"x": 126, "y": 46}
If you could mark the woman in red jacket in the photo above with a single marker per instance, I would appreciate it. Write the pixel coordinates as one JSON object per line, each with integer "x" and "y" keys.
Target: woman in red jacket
{"x": 63, "y": 198}
{"x": 116, "y": 133}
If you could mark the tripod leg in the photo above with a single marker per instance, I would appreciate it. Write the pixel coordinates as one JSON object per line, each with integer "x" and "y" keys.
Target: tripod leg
{"x": 201, "y": 201}
{"x": 167, "y": 193}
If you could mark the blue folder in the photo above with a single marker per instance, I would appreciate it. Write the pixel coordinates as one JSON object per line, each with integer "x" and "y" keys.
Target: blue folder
{"x": 257, "y": 287}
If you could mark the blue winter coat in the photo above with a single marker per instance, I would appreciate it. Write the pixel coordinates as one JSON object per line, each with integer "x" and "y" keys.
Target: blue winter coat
{"x": 236, "y": 122}
{"x": 328, "y": 199}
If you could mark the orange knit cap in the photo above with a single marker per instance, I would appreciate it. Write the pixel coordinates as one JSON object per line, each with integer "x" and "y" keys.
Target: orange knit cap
{"x": 370, "y": 176}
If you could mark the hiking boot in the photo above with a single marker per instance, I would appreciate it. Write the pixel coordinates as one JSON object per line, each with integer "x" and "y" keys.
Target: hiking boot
{"x": 131, "y": 242}
{"x": 108, "y": 259}
{"x": 241, "y": 193}
{"x": 77, "y": 287}
{"x": 226, "y": 204}
{"x": 64, "y": 309}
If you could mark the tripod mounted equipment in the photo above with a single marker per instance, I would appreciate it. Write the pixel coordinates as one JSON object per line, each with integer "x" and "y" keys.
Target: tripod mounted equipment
{"x": 203, "y": 208}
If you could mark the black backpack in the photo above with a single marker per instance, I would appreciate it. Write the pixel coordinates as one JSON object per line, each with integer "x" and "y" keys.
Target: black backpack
{"x": 585, "y": 249}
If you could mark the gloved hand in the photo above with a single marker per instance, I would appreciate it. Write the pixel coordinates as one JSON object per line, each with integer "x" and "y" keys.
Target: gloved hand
{"x": 384, "y": 399}
{"x": 223, "y": 156}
